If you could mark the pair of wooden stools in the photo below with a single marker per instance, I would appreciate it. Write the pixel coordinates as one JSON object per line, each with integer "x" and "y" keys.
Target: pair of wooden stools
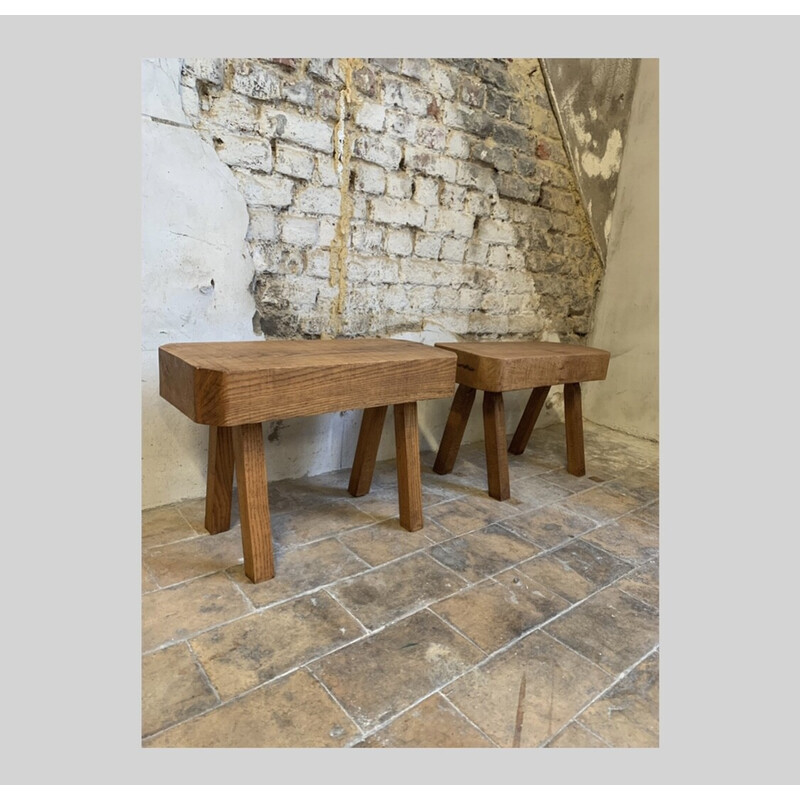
{"x": 235, "y": 386}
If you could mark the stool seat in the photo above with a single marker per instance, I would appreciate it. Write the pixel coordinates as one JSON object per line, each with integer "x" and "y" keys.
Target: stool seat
{"x": 497, "y": 367}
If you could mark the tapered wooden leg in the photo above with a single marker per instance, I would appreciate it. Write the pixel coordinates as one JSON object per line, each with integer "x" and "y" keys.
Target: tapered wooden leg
{"x": 522, "y": 434}
{"x": 494, "y": 434}
{"x": 409, "y": 473}
{"x": 573, "y": 418}
{"x": 454, "y": 429}
{"x": 369, "y": 437}
{"x": 251, "y": 478}
{"x": 219, "y": 481}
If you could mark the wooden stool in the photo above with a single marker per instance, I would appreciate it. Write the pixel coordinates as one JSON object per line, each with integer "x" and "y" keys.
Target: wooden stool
{"x": 497, "y": 367}
{"x": 235, "y": 386}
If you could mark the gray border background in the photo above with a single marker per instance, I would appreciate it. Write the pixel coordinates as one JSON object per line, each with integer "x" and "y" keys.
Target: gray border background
{"x": 72, "y": 435}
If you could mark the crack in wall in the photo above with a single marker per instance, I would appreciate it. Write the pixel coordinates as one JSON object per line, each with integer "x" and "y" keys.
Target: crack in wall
{"x": 342, "y": 144}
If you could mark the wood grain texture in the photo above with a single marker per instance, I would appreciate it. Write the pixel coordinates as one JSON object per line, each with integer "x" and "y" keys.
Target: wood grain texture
{"x": 506, "y": 366}
{"x": 219, "y": 481}
{"x": 454, "y": 429}
{"x": 232, "y": 383}
{"x": 409, "y": 472}
{"x": 251, "y": 472}
{"x": 494, "y": 433}
{"x": 573, "y": 419}
{"x": 369, "y": 438}
{"x": 522, "y": 435}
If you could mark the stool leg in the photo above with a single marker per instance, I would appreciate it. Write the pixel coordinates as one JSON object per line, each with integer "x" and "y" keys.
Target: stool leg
{"x": 219, "y": 481}
{"x": 409, "y": 473}
{"x": 522, "y": 434}
{"x": 494, "y": 434}
{"x": 454, "y": 429}
{"x": 573, "y": 417}
{"x": 251, "y": 476}
{"x": 369, "y": 437}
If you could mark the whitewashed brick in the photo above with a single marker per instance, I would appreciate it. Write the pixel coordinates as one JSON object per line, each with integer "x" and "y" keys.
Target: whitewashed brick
{"x": 397, "y": 212}
{"x": 477, "y": 252}
{"x": 293, "y": 161}
{"x": 265, "y": 190}
{"x": 244, "y": 151}
{"x": 313, "y": 200}
{"x": 256, "y": 81}
{"x": 427, "y": 245}
{"x": 430, "y": 163}
{"x": 326, "y": 170}
{"x": 399, "y": 242}
{"x": 492, "y": 231}
{"x": 306, "y": 131}
{"x": 454, "y": 222}
{"x": 426, "y": 191}
{"x": 453, "y": 250}
{"x": 379, "y": 150}
{"x": 372, "y": 270}
{"x": 327, "y": 231}
{"x": 300, "y": 231}
{"x": 404, "y": 95}
{"x": 262, "y": 224}
{"x": 371, "y": 116}
{"x": 366, "y": 238}
{"x": 431, "y": 134}
{"x": 370, "y": 178}
{"x": 399, "y": 185}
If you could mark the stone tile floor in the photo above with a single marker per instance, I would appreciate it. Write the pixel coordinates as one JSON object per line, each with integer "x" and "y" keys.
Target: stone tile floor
{"x": 527, "y": 623}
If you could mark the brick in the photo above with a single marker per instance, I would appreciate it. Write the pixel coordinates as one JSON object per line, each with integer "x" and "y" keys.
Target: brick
{"x": 369, "y": 178}
{"x": 428, "y": 245}
{"x": 458, "y": 145}
{"x": 440, "y": 81}
{"x": 430, "y": 164}
{"x": 399, "y": 185}
{"x": 429, "y": 273}
{"x": 208, "y": 70}
{"x": 510, "y": 134}
{"x": 476, "y": 252}
{"x": 431, "y": 135}
{"x": 476, "y": 176}
{"x": 419, "y": 68}
{"x": 397, "y": 212}
{"x": 401, "y": 124}
{"x": 378, "y": 150}
{"x": 493, "y": 231}
{"x": 454, "y": 222}
{"x": 301, "y": 231}
{"x": 453, "y": 250}
{"x": 371, "y": 116}
{"x": 265, "y": 190}
{"x": 426, "y": 191}
{"x": 327, "y": 231}
{"x": 235, "y": 112}
{"x": 262, "y": 225}
{"x": 399, "y": 242}
{"x": 479, "y": 203}
{"x": 293, "y": 161}
{"x": 372, "y": 270}
{"x": 326, "y": 171}
{"x": 300, "y": 93}
{"x": 498, "y": 103}
{"x": 366, "y": 238}
{"x": 324, "y": 69}
{"x": 500, "y": 157}
{"x": 472, "y": 92}
{"x": 314, "y": 200}
{"x": 518, "y": 188}
{"x": 389, "y": 64}
{"x": 243, "y": 151}
{"x": 365, "y": 80}
{"x": 403, "y": 95}
{"x": 255, "y": 81}
{"x": 318, "y": 263}
{"x": 328, "y": 103}
{"x": 297, "y": 128}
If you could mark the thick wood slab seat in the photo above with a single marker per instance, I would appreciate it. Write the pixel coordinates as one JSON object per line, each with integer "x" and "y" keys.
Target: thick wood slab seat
{"x": 497, "y": 367}
{"x": 235, "y": 386}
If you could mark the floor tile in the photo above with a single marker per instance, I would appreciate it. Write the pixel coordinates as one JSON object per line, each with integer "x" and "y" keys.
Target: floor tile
{"x": 612, "y": 629}
{"x": 383, "y": 502}
{"x": 292, "y": 712}
{"x": 574, "y": 483}
{"x": 550, "y": 526}
{"x": 170, "y": 615}
{"x": 461, "y": 516}
{"x": 627, "y": 715}
{"x": 649, "y": 513}
{"x": 640, "y": 483}
{"x": 574, "y": 735}
{"x": 378, "y": 597}
{"x": 628, "y": 537}
{"x": 575, "y": 570}
{"x": 174, "y": 688}
{"x": 476, "y": 555}
{"x": 148, "y": 581}
{"x": 305, "y": 525}
{"x": 164, "y": 525}
{"x": 602, "y": 504}
{"x": 201, "y": 555}
{"x": 301, "y": 570}
{"x": 194, "y": 512}
{"x": 525, "y": 695}
{"x": 432, "y": 723}
{"x": 384, "y": 541}
{"x": 537, "y": 491}
{"x": 250, "y": 651}
{"x": 642, "y": 583}
{"x": 497, "y": 611}
{"x": 421, "y": 650}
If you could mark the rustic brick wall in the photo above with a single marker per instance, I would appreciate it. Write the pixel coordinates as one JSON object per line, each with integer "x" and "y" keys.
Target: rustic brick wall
{"x": 388, "y": 194}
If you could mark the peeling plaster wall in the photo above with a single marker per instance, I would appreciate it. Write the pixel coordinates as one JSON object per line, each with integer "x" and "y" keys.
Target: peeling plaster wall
{"x": 592, "y": 98}
{"x": 626, "y": 320}
{"x": 417, "y": 198}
